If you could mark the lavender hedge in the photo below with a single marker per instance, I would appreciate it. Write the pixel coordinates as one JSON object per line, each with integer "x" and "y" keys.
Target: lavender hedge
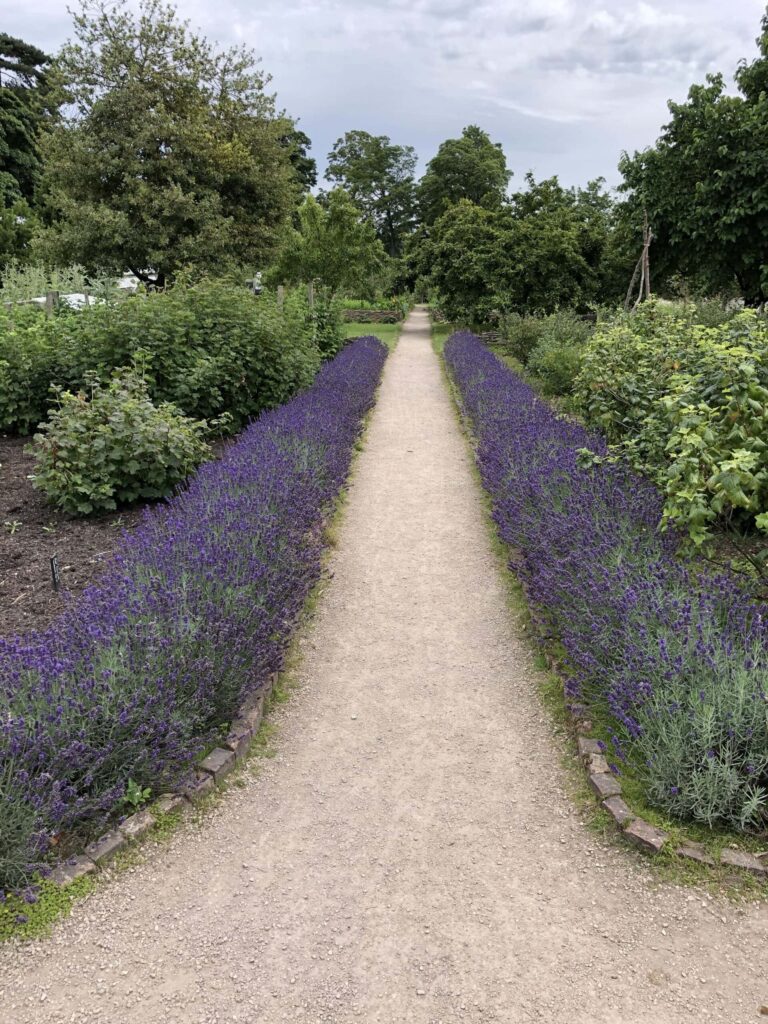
{"x": 193, "y": 613}
{"x": 675, "y": 660}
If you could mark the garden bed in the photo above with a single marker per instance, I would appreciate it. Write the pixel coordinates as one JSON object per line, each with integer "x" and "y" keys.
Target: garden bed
{"x": 32, "y": 532}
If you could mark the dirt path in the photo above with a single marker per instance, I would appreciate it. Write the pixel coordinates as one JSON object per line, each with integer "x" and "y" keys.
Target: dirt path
{"x": 410, "y": 854}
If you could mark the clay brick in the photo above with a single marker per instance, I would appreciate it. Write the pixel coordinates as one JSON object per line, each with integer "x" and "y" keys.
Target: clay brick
{"x": 645, "y": 835}
{"x": 596, "y": 763}
{"x": 137, "y": 825}
{"x": 198, "y": 786}
{"x": 605, "y": 784}
{"x": 588, "y": 746}
{"x": 696, "y": 852}
{"x": 65, "y": 874}
{"x": 218, "y": 763}
{"x": 618, "y": 810}
{"x": 170, "y": 802}
{"x": 745, "y": 861}
{"x": 239, "y": 740}
{"x": 106, "y": 847}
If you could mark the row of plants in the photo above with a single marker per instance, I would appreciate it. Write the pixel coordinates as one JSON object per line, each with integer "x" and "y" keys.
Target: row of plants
{"x": 210, "y": 349}
{"x": 686, "y": 403}
{"x": 136, "y": 678}
{"x": 674, "y": 661}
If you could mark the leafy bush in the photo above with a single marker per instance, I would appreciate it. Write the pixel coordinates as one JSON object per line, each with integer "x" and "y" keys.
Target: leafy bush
{"x": 556, "y": 358}
{"x": 521, "y": 335}
{"x": 210, "y": 349}
{"x": 115, "y": 447}
{"x": 328, "y": 327}
{"x": 29, "y": 363}
{"x": 193, "y": 614}
{"x": 688, "y": 405}
{"x": 675, "y": 661}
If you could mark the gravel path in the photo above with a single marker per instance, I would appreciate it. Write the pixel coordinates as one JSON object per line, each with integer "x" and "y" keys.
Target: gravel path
{"x": 410, "y": 853}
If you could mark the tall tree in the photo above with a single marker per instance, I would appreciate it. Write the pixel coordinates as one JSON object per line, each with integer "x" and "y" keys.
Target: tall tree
{"x": 471, "y": 167}
{"x": 23, "y": 104}
{"x": 298, "y": 144}
{"x": 333, "y": 245}
{"x": 170, "y": 154}
{"x": 704, "y": 184}
{"x": 379, "y": 177}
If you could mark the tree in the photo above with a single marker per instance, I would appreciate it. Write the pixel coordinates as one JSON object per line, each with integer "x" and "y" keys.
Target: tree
{"x": 704, "y": 184}
{"x": 542, "y": 250}
{"x": 379, "y": 177}
{"x": 471, "y": 167}
{"x": 171, "y": 152}
{"x": 298, "y": 145}
{"x": 333, "y": 245}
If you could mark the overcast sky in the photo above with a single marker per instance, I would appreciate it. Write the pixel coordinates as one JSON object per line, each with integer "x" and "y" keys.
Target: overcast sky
{"x": 564, "y": 85}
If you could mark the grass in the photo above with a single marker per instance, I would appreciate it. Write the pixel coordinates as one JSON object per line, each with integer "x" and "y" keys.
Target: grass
{"x": 667, "y": 866}
{"x": 388, "y": 333}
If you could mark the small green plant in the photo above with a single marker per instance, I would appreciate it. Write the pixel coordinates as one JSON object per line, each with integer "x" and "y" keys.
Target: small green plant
{"x": 114, "y": 447}
{"x": 11, "y": 526}
{"x": 136, "y": 796}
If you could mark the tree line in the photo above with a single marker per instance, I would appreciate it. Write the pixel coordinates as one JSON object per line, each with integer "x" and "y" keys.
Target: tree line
{"x": 141, "y": 146}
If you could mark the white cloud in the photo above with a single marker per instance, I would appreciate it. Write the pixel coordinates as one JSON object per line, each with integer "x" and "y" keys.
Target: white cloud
{"x": 565, "y": 85}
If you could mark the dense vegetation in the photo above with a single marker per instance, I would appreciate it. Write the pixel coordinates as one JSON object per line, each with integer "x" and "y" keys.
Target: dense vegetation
{"x": 674, "y": 660}
{"x": 192, "y": 614}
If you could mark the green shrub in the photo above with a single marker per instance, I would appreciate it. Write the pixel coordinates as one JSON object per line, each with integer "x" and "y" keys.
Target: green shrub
{"x": 521, "y": 335}
{"x": 114, "y": 447}
{"x": 688, "y": 405}
{"x": 29, "y": 364}
{"x": 556, "y": 358}
{"x": 328, "y": 327}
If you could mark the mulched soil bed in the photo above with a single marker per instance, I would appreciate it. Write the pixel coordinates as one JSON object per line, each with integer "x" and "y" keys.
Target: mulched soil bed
{"x": 31, "y": 532}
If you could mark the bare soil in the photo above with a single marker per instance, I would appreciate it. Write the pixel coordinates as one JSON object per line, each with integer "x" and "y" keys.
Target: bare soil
{"x": 411, "y": 853}
{"x": 32, "y": 532}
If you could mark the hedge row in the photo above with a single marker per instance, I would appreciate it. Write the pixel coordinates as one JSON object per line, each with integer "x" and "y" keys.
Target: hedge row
{"x": 675, "y": 660}
{"x": 210, "y": 349}
{"x": 193, "y": 613}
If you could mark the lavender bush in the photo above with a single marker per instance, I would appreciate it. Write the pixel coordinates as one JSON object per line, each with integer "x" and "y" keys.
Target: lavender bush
{"x": 675, "y": 659}
{"x": 193, "y": 613}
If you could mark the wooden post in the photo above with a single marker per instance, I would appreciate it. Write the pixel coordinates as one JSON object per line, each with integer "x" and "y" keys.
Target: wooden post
{"x": 87, "y": 296}
{"x": 280, "y": 296}
{"x": 51, "y": 298}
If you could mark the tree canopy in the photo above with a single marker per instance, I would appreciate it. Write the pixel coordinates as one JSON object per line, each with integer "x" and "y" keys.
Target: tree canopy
{"x": 170, "y": 153}
{"x": 379, "y": 177}
{"x": 704, "y": 183}
{"x": 471, "y": 167}
{"x": 333, "y": 245}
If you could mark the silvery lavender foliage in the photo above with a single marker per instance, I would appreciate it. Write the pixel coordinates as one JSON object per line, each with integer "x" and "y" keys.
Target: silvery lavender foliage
{"x": 675, "y": 659}
{"x": 191, "y": 615}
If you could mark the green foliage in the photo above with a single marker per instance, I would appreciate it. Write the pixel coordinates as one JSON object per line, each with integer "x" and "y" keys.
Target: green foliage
{"x": 210, "y": 349}
{"x": 327, "y": 326}
{"x": 169, "y": 154}
{"x": 23, "y": 86}
{"x": 29, "y": 364}
{"x": 556, "y": 358}
{"x": 332, "y": 245}
{"x": 136, "y": 796}
{"x": 471, "y": 168}
{"x": 378, "y": 176}
{"x": 114, "y": 447}
{"x": 521, "y": 334}
{"x": 704, "y": 185}
{"x": 542, "y": 251}
{"x": 687, "y": 404}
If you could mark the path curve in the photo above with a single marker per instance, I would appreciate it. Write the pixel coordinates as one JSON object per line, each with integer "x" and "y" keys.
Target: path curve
{"x": 410, "y": 854}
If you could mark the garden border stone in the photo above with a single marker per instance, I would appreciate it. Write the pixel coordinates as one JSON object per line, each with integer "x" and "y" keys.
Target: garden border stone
{"x": 210, "y": 771}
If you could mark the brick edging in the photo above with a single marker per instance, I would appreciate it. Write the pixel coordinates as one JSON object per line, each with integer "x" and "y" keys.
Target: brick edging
{"x": 208, "y": 773}
{"x": 607, "y": 787}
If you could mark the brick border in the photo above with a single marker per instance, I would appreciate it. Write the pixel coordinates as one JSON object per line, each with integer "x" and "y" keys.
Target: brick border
{"x": 209, "y": 773}
{"x": 641, "y": 833}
